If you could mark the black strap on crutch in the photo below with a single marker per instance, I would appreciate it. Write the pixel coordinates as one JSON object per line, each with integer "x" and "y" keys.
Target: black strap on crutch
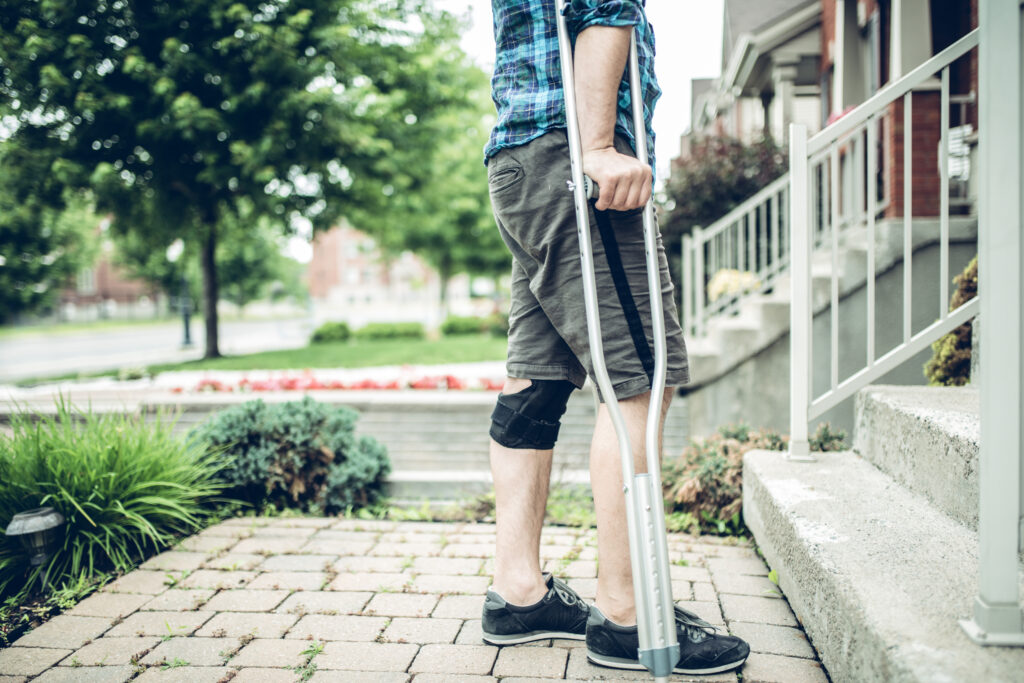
{"x": 645, "y": 514}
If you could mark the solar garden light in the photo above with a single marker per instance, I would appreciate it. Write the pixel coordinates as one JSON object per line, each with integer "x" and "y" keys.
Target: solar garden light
{"x": 37, "y": 531}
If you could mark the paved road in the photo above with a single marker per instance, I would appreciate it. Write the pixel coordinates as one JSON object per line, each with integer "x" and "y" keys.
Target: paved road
{"x": 40, "y": 355}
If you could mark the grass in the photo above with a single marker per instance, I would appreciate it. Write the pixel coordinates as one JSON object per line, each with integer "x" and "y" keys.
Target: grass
{"x": 358, "y": 354}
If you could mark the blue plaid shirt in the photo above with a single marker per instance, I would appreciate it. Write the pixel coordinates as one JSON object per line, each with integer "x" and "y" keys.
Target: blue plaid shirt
{"x": 527, "y": 82}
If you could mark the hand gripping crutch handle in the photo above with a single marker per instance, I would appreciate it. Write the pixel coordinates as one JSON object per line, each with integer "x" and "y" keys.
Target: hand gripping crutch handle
{"x": 645, "y": 515}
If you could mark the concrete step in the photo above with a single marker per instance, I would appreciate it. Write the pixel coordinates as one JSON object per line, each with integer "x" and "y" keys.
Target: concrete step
{"x": 927, "y": 439}
{"x": 876, "y": 574}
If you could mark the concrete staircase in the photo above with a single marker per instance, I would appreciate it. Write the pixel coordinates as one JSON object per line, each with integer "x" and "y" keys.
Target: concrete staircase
{"x": 876, "y": 549}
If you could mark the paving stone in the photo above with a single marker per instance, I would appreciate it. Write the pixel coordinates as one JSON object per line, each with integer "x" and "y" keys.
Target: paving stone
{"x": 370, "y": 564}
{"x": 65, "y": 631}
{"x": 346, "y": 627}
{"x": 109, "y": 605}
{"x": 705, "y": 592}
{"x": 406, "y": 630}
{"x": 681, "y": 591}
{"x": 732, "y": 565}
{"x": 776, "y": 640}
{"x": 405, "y": 549}
{"x": 476, "y": 528}
{"x": 273, "y": 531}
{"x": 586, "y": 588}
{"x": 741, "y": 584}
{"x": 471, "y": 633}
{"x": 359, "y": 677}
{"x": 556, "y": 552}
{"x": 13, "y": 679}
{"x": 220, "y": 531}
{"x": 212, "y": 578}
{"x": 185, "y": 674}
{"x": 195, "y": 651}
{"x": 246, "y": 600}
{"x": 111, "y": 651}
{"x": 160, "y": 624}
{"x": 264, "y": 675}
{"x": 447, "y": 678}
{"x": 567, "y": 644}
{"x": 367, "y": 656}
{"x": 455, "y": 659}
{"x": 175, "y": 560}
{"x": 251, "y": 523}
{"x": 708, "y": 611}
{"x": 764, "y": 668}
{"x": 304, "y": 522}
{"x": 354, "y": 536}
{"x": 732, "y": 551}
{"x": 297, "y": 563}
{"x": 178, "y": 600}
{"x": 431, "y": 527}
{"x": 86, "y": 674}
{"x": 239, "y": 624}
{"x": 139, "y": 581}
{"x": 401, "y": 605}
{"x": 29, "y": 661}
{"x": 235, "y": 562}
{"x": 269, "y": 546}
{"x": 577, "y": 569}
{"x": 757, "y": 610}
{"x": 441, "y": 584}
{"x": 207, "y": 544}
{"x": 375, "y": 581}
{"x": 482, "y": 550}
{"x": 460, "y": 606}
{"x": 336, "y": 548}
{"x": 518, "y": 679}
{"x": 415, "y": 537}
{"x": 546, "y": 662}
{"x": 375, "y": 525}
{"x": 325, "y": 602}
{"x": 271, "y": 653}
{"x": 460, "y": 566}
{"x": 581, "y": 669}
{"x": 689, "y": 573}
{"x": 292, "y": 581}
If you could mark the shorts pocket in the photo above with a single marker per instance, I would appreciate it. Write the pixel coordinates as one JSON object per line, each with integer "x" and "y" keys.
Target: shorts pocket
{"x": 505, "y": 177}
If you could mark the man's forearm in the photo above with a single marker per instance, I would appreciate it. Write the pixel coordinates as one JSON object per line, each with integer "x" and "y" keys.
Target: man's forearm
{"x": 600, "y": 59}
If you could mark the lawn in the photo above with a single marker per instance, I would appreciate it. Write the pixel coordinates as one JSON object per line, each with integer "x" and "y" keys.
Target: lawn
{"x": 359, "y": 354}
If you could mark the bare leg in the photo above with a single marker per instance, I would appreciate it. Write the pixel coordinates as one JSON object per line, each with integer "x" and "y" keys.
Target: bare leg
{"x": 521, "y": 479}
{"x": 615, "y": 577}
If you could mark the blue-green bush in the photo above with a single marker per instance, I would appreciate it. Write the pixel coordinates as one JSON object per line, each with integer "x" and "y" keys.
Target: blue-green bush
{"x": 331, "y": 332}
{"x": 372, "y": 331}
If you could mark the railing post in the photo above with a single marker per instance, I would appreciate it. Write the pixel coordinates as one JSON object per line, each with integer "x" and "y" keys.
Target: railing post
{"x": 800, "y": 298}
{"x": 997, "y": 611}
{"x": 698, "y": 281}
{"x": 686, "y": 310}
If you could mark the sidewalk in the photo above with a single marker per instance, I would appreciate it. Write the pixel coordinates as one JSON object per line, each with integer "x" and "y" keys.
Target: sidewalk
{"x": 327, "y": 599}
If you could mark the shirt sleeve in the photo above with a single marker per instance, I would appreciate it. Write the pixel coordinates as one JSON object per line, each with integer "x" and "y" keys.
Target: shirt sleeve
{"x": 582, "y": 14}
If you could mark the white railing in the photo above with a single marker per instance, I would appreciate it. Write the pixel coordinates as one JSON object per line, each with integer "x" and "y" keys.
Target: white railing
{"x": 833, "y": 187}
{"x": 749, "y": 244}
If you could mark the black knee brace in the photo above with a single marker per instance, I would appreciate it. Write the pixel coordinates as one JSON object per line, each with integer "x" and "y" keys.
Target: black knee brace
{"x": 530, "y": 418}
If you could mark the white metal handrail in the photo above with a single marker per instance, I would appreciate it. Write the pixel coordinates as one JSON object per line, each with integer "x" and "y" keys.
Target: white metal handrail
{"x": 751, "y": 239}
{"x": 845, "y": 155}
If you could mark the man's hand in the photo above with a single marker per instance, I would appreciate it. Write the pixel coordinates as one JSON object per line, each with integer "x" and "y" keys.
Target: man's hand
{"x": 600, "y": 59}
{"x": 624, "y": 182}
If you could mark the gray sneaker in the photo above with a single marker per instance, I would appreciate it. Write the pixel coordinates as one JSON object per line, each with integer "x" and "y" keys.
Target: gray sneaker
{"x": 561, "y": 613}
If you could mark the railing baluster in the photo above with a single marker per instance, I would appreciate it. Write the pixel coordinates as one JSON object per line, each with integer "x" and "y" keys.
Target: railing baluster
{"x": 834, "y": 210}
{"x": 686, "y": 307}
{"x": 752, "y": 241}
{"x": 872, "y": 197}
{"x": 775, "y": 230}
{"x": 698, "y": 280}
{"x": 762, "y": 239}
{"x": 908, "y": 211}
{"x": 737, "y": 252}
{"x": 800, "y": 295}
{"x": 944, "y": 198}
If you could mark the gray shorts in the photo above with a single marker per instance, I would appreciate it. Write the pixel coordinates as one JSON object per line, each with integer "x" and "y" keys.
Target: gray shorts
{"x": 547, "y": 321}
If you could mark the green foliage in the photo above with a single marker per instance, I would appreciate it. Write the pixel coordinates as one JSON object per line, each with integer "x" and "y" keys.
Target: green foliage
{"x": 497, "y": 325}
{"x": 20, "y": 612}
{"x": 719, "y": 174}
{"x": 299, "y": 454}
{"x": 950, "y": 364}
{"x": 126, "y": 488}
{"x": 390, "y": 331}
{"x": 331, "y": 332}
{"x": 455, "y": 325}
{"x": 826, "y": 439}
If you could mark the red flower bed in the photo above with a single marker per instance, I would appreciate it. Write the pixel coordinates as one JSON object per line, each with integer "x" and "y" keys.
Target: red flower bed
{"x": 308, "y": 382}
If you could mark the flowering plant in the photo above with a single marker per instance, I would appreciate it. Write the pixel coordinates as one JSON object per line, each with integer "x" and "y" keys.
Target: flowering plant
{"x": 308, "y": 382}
{"x": 730, "y": 282}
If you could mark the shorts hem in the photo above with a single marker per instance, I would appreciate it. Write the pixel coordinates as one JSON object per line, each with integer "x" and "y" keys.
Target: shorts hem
{"x": 548, "y": 372}
{"x": 641, "y": 385}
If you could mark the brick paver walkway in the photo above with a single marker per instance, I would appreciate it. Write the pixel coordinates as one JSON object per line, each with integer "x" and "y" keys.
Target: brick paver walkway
{"x": 343, "y": 600}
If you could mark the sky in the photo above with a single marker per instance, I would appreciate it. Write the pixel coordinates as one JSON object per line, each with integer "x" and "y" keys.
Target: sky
{"x": 689, "y": 45}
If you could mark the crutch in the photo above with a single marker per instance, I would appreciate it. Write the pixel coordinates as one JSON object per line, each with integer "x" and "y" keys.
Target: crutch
{"x": 645, "y": 515}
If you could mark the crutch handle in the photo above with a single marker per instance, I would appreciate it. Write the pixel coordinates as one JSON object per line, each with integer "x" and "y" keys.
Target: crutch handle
{"x": 593, "y": 191}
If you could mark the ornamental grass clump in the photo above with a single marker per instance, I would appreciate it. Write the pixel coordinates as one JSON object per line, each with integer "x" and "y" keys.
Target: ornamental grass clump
{"x": 126, "y": 488}
{"x": 300, "y": 455}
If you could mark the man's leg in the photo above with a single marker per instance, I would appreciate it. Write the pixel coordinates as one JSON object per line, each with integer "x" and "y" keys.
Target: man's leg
{"x": 521, "y": 478}
{"x": 615, "y": 576}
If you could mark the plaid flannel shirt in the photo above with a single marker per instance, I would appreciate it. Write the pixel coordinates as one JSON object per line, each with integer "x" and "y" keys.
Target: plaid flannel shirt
{"x": 527, "y": 82}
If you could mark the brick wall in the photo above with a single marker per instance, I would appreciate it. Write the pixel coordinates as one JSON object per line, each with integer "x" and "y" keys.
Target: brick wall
{"x": 924, "y": 156}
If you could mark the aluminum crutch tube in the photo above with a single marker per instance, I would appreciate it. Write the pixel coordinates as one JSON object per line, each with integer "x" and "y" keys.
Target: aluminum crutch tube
{"x": 645, "y": 518}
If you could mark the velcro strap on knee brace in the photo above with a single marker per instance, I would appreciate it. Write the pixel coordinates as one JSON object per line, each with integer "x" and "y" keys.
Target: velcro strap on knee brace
{"x": 539, "y": 435}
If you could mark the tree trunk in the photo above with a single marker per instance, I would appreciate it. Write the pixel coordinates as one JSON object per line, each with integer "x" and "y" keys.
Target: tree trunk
{"x": 444, "y": 275}
{"x": 211, "y": 291}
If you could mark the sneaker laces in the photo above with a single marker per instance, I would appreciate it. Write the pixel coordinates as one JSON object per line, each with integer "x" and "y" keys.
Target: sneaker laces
{"x": 696, "y": 628}
{"x": 566, "y": 594}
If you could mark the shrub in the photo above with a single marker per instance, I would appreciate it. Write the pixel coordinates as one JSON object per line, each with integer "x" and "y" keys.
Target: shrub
{"x": 458, "y": 325}
{"x": 125, "y": 487}
{"x": 950, "y": 364}
{"x": 703, "y": 487}
{"x": 331, "y": 332}
{"x": 374, "y": 331}
{"x": 300, "y": 454}
{"x": 497, "y": 324}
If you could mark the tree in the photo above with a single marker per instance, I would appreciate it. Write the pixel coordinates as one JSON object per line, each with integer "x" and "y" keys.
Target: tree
{"x": 720, "y": 174}
{"x": 183, "y": 115}
{"x": 439, "y": 206}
